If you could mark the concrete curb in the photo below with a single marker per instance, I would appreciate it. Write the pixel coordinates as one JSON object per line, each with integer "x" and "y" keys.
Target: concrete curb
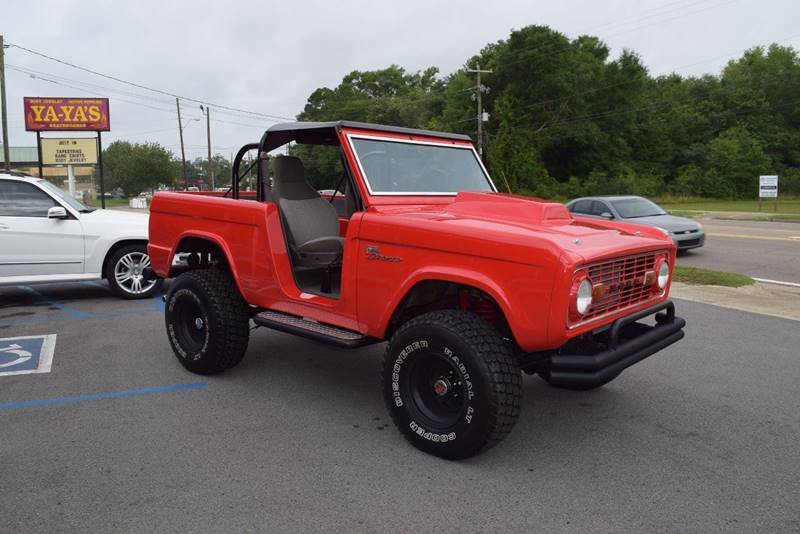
{"x": 766, "y": 299}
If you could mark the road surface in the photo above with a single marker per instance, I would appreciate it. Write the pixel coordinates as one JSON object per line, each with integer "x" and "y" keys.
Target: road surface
{"x": 761, "y": 249}
{"x": 702, "y": 437}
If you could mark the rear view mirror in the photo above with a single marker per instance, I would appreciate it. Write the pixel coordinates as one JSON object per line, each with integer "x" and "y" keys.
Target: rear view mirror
{"x": 57, "y": 212}
{"x": 606, "y": 215}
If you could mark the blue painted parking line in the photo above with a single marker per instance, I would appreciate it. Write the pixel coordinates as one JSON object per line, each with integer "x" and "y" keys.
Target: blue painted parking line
{"x": 154, "y": 304}
{"x": 157, "y": 303}
{"x": 86, "y": 315}
{"x": 104, "y": 396}
{"x": 77, "y": 314}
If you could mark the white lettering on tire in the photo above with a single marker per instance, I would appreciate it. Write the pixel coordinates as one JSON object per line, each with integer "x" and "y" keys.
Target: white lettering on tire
{"x": 171, "y": 329}
{"x": 398, "y": 401}
{"x": 430, "y": 436}
{"x": 410, "y": 348}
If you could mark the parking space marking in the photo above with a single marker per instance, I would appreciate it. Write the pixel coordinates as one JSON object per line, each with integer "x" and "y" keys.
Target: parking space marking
{"x": 777, "y": 282}
{"x": 104, "y": 396}
{"x": 86, "y": 315}
{"x": 745, "y": 236}
{"x": 77, "y": 314}
{"x": 751, "y": 228}
{"x": 150, "y": 305}
{"x": 25, "y": 355}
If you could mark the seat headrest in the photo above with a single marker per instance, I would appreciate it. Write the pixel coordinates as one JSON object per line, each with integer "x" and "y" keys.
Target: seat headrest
{"x": 288, "y": 169}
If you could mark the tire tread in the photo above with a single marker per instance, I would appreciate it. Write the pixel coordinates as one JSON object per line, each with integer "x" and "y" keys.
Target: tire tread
{"x": 496, "y": 355}
{"x": 230, "y": 311}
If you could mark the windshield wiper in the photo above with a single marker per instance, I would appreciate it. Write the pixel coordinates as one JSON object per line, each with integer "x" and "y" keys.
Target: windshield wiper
{"x": 645, "y": 215}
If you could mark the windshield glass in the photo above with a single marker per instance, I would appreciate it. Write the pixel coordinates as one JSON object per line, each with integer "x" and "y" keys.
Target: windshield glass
{"x": 631, "y": 208}
{"x": 394, "y": 167}
{"x": 63, "y": 195}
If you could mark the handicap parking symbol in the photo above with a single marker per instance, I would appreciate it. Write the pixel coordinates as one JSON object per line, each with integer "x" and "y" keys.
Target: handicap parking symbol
{"x": 27, "y": 354}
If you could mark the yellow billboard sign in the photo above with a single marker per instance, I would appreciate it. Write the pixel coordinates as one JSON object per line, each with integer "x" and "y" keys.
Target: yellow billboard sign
{"x": 75, "y": 151}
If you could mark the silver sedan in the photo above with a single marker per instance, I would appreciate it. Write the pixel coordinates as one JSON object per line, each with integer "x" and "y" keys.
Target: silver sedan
{"x": 637, "y": 210}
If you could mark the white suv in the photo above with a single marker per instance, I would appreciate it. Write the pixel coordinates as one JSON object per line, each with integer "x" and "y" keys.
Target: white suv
{"x": 48, "y": 236}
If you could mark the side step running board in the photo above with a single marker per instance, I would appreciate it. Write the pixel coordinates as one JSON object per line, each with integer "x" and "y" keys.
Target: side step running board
{"x": 299, "y": 326}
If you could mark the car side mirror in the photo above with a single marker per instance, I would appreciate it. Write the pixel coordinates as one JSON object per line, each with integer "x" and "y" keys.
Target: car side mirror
{"x": 606, "y": 215}
{"x": 57, "y": 212}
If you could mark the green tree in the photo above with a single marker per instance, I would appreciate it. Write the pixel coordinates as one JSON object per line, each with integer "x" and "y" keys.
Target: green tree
{"x": 198, "y": 170}
{"x": 566, "y": 117}
{"x": 136, "y": 167}
{"x": 737, "y": 158}
{"x": 387, "y": 96}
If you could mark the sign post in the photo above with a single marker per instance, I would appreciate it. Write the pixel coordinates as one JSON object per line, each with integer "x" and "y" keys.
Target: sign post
{"x": 768, "y": 188}
{"x": 46, "y": 114}
{"x": 39, "y": 152}
{"x": 100, "y": 169}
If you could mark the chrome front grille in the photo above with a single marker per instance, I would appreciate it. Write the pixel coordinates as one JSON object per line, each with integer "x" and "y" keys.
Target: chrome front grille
{"x": 621, "y": 283}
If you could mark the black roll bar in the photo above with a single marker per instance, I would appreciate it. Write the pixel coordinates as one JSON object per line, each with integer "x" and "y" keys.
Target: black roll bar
{"x": 235, "y": 177}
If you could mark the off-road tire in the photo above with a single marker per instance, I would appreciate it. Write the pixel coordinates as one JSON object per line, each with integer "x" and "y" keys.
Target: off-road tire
{"x": 208, "y": 324}
{"x": 136, "y": 249}
{"x": 489, "y": 379}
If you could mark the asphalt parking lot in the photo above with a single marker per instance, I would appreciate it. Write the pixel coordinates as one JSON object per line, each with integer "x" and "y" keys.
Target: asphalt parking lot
{"x": 118, "y": 437}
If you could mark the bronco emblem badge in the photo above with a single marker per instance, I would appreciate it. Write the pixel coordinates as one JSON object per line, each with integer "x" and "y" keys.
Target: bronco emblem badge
{"x": 374, "y": 253}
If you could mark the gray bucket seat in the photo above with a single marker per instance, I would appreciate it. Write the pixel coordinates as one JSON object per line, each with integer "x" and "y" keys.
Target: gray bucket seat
{"x": 310, "y": 222}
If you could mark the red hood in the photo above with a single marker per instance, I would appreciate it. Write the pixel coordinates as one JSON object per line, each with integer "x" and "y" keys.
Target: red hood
{"x": 508, "y": 227}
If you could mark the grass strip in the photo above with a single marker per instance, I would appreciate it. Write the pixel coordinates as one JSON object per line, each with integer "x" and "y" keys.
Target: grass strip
{"x": 785, "y": 206}
{"x": 698, "y": 275}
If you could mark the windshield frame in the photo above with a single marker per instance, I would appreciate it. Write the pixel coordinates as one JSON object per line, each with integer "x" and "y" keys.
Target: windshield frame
{"x": 412, "y": 141}
{"x": 641, "y": 200}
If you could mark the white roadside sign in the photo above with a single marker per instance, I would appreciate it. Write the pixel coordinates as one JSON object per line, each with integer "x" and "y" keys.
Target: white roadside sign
{"x": 767, "y": 187}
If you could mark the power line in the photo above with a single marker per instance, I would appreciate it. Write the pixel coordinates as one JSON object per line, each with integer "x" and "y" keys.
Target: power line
{"x": 36, "y": 76}
{"x": 71, "y": 86}
{"x": 576, "y": 118}
{"x": 646, "y": 14}
{"x": 94, "y": 89}
{"x": 683, "y": 106}
{"x": 147, "y": 88}
{"x": 756, "y": 111}
{"x": 151, "y": 98}
{"x": 572, "y": 47}
{"x": 654, "y": 104}
{"x": 627, "y": 82}
{"x": 557, "y": 52}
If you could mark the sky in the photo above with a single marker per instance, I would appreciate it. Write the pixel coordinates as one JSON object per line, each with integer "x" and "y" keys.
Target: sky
{"x": 267, "y": 57}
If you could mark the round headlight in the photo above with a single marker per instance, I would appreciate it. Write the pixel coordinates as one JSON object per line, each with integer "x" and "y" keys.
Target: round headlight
{"x": 663, "y": 275}
{"x": 584, "y": 297}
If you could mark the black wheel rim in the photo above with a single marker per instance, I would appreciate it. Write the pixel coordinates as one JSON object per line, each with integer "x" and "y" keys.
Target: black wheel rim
{"x": 191, "y": 324}
{"x": 436, "y": 391}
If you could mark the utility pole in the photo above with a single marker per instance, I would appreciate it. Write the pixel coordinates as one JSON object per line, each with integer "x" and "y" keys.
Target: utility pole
{"x": 207, "y": 111}
{"x": 6, "y": 151}
{"x": 479, "y": 90}
{"x": 183, "y": 154}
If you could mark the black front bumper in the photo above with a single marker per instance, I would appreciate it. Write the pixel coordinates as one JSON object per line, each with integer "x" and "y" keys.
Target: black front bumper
{"x": 601, "y": 356}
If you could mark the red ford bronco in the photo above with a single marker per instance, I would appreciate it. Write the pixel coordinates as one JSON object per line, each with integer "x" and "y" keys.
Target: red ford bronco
{"x": 416, "y": 247}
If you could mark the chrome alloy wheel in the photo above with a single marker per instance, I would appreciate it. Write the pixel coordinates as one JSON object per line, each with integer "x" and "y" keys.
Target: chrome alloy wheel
{"x": 129, "y": 273}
